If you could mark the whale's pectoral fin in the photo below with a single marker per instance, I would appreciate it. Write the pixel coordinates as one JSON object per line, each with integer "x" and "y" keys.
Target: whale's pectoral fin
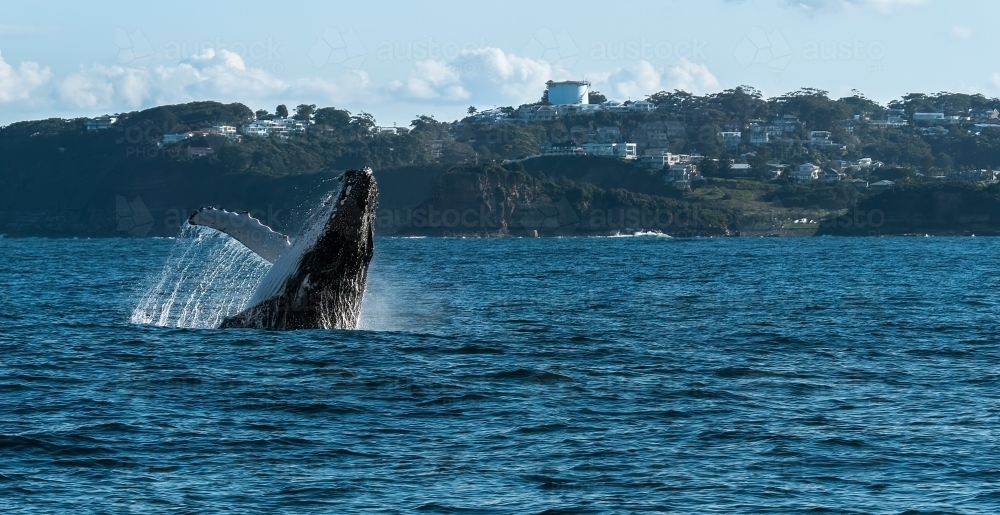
{"x": 248, "y": 230}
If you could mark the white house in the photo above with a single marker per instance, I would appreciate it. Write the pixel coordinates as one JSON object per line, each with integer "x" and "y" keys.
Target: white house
{"x": 642, "y": 106}
{"x": 775, "y": 170}
{"x": 619, "y": 150}
{"x": 680, "y": 175}
{"x": 175, "y": 137}
{"x": 609, "y": 134}
{"x": 881, "y": 185}
{"x": 831, "y": 176}
{"x": 281, "y": 126}
{"x": 739, "y": 170}
{"x": 806, "y": 172}
{"x": 546, "y": 113}
{"x": 223, "y": 130}
{"x": 986, "y": 115}
{"x": 600, "y": 149}
{"x": 929, "y": 117}
{"x": 731, "y": 139}
{"x": 759, "y": 137}
{"x": 101, "y": 123}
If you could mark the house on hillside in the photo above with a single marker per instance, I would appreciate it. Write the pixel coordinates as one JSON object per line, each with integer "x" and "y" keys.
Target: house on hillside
{"x": 731, "y": 139}
{"x": 199, "y": 151}
{"x": 928, "y": 117}
{"x": 740, "y": 170}
{"x": 619, "y": 150}
{"x": 881, "y": 185}
{"x": 985, "y": 116}
{"x": 680, "y": 175}
{"x": 101, "y": 123}
{"x": 169, "y": 138}
{"x": 821, "y": 139}
{"x": 805, "y": 173}
{"x": 609, "y": 134}
{"x": 546, "y": 114}
{"x": 832, "y": 176}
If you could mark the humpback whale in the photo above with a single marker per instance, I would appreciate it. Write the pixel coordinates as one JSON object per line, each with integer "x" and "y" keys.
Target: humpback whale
{"x": 318, "y": 280}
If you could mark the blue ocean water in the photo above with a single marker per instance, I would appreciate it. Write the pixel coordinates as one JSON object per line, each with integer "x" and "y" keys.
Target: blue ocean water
{"x": 601, "y": 375}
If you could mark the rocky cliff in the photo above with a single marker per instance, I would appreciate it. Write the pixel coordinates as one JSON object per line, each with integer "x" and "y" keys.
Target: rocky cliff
{"x": 493, "y": 201}
{"x": 937, "y": 209}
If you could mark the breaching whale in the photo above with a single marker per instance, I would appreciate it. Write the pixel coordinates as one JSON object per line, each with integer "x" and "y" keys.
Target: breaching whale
{"x": 318, "y": 280}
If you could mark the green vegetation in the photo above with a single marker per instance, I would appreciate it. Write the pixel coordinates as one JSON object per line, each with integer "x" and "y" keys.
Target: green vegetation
{"x": 57, "y": 162}
{"x": 949, "y": 208}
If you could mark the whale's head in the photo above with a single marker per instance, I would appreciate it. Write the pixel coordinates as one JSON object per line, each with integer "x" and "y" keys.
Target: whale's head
{"x": 352, "y": 218}
{"x": 320, "y": 280}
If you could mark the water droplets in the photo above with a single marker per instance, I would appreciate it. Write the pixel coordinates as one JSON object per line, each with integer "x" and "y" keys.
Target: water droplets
{"x": 207, "y": 277}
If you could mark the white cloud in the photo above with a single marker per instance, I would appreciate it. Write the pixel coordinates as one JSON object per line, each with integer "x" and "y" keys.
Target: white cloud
{"x": 995, "y": 80}
{"x": 882, "y": 6}
{"x": 18, "y": 84}
{"x": 355, "y": 86}
{"x": 643, "y": 79}
{"x": 105, "y": 86}
{"x": 434, "y": 79}
{"x": 961, "y": 33}
{"x": 212, "y": 74}
{"x": 485, "y": 74}
{"x": 209, "y": 75}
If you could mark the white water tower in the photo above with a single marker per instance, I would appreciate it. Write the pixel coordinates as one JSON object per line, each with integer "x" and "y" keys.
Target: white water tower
{"x": 568, "y": 92}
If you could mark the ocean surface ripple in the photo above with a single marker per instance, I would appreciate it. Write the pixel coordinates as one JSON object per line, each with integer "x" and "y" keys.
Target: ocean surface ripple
{"x": 603, "y": 375}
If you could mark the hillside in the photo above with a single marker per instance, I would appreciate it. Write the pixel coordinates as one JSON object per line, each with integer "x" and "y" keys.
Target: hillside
{"x": 59, "y": 178}
{"x": 940, "y": 209}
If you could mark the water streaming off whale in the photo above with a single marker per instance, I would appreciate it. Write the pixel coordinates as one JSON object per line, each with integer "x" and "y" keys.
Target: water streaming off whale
{"x": 206, "y": 277}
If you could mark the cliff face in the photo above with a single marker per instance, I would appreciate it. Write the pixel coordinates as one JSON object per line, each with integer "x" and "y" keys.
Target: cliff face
{"x": 155, "y": 203}
{"x": 492, "y": 201}
{"x": 942, "y": 209}
{"x": 426, "y": 201}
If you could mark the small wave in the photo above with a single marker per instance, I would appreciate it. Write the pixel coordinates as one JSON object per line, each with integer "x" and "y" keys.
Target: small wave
{"x": 637, "y": 234}
{"x": 539, "y": 376}
{"x": 473, "y": 349}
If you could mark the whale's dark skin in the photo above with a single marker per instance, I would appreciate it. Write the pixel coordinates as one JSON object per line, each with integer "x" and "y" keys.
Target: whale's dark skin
{"x": 323, "y": 275}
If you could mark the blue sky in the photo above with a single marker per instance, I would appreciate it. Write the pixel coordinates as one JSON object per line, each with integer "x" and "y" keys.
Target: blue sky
{"x": 400, "y": 59}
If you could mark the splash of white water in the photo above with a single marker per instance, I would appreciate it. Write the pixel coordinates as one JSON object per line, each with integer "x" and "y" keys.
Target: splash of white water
{"x": 207, "y": 277}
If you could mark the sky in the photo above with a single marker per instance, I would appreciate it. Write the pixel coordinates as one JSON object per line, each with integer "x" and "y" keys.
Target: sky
{"x": 398, "y": 60}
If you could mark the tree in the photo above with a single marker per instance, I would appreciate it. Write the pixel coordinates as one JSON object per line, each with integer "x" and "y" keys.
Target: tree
{"x": 262, "y": 114}
{"x": 545, "y": 98}
{"x": 708, "y": 167}
{"x": 281, "y": 111}
{"x": 471, "y": 110}
{"x": 304, "y": 112}
{"x": 332, "y": 117}
{"x": 595, "y": 97}
{"x": 363, "y": 122}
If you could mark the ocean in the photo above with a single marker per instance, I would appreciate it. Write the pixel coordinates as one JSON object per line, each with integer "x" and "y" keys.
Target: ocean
{"x": 577, "y": 375}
